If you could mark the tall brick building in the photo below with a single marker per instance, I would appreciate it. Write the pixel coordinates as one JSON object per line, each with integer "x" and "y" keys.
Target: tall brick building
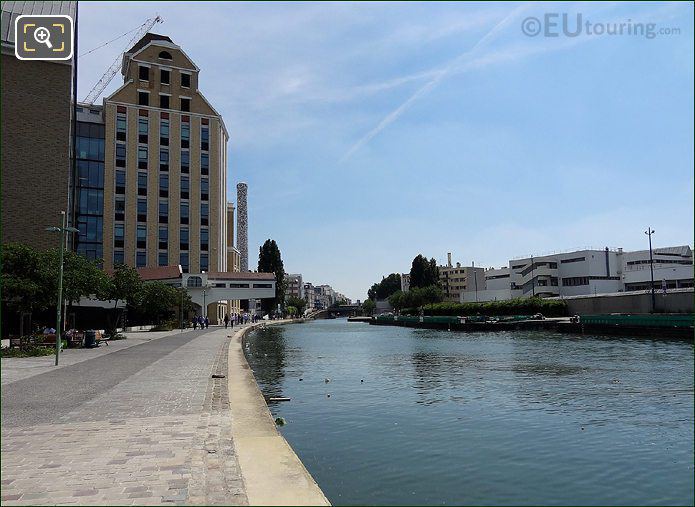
{"x": 165, "y": 169}
{"x": 36, "y": 135}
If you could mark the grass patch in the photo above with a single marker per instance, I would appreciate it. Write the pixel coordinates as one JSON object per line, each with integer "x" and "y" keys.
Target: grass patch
{"x": 28, "y": 352}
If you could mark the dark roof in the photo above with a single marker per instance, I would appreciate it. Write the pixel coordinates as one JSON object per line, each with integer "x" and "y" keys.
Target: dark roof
{"x": 159, "y": 273}
{"x": 146, "y": 39}
{"x": 241, "y": 276}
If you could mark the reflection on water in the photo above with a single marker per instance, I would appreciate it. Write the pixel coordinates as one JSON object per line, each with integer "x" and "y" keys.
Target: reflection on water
{"x": 433, "y": 417}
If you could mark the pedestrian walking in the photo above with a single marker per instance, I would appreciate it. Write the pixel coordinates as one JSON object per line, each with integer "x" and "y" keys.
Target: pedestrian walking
{"x": 207, "y": 323}
{"x": 226, "y": 320}
{"x": 195, "y": 323}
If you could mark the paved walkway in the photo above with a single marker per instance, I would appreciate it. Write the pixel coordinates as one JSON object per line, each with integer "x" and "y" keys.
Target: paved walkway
{"x": 18, "y": 368}
{"x": 141, "y": 424}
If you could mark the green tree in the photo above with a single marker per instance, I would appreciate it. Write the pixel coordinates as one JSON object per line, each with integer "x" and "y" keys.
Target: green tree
{"x": 387, "y": 286}
{"x": 298, "y": 303}
{"x": 368, "y": 307}
{"x": 157, "y": 300}
{"x": 270, "y": 261}
{"x": 423, "y": 273}
{"x": 124, "y": 285}
{"x": 24, "y": 278}
{"x": 30, "y": 277}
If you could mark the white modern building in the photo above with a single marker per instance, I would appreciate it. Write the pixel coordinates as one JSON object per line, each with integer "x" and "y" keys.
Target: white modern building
{"x": 584, "y": 272}
{"x": 673, "y": 268}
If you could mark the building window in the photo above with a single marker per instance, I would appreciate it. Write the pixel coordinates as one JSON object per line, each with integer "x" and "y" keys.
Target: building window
{"x": 205, "y": 138}
{"x": 165, "y": 76}
{"x": 163, "y": 159}
{"x": 91, "y": 201}
{"x": 118, "y": 257}
{"x": 183, "y": 260}
{"x": 120, "y": 155}
{"x": 204, "y": 262}
{"x": 183, "y": 239}
{"x": 141, "y": 258}
{"x": 119, "y": 214}
{"x": 163, "y": 212}
{"x": 121, "y": 127}
{"x": 165, "y": 55}
{"x": 142, "y": 210}
{"x": 163, "y": 258}
{"x": 204, "y": 163}
{"x": 194, "y": 281}
{"x": 142, "y": 236}
{"x": 204, "y": 238}
{"x": 164, "y": 101}
{"x": 575, "y": 281}
{"x": 90, "y": 173}
{"x": 185, "y": 161}
{"x": 185, "y": 104}
{"x": 144, "y": 73}
{"x": 142, "y": 183}
{"x": 164, "y": 132}
{"x": 185, "y": 134}
{"x": 185, "y": 187}
{"x": 184, "y": 212}
{"x": 163, "y": 185}
{"x": 163, "y": 237}
{"x": 185, "y": 80}
{"x": 204, "y": 189}
{"x": 142, "y": 157}
{"x": 118, "y": 235}
{"x": 204, "y": 213}
{"x": 143, "y": 98}
{"x": 143, "y": 127}
{"x": 120, "y": 181}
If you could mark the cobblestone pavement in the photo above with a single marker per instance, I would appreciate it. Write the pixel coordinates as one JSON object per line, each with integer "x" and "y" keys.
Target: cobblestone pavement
{"x": 151, "y": 427}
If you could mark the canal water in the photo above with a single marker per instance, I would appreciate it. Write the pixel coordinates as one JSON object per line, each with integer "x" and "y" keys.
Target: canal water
{"x": 435, "y": 417}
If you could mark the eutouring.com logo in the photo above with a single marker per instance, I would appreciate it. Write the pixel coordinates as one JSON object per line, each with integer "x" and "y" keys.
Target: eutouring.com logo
{"x": 557, "y": 24}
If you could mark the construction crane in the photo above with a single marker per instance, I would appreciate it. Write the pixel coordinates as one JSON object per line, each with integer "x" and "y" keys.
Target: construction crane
{"x": 113, "y": 69}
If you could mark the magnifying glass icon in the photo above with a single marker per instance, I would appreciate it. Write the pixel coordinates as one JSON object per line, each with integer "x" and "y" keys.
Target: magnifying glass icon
{"x": 43, "y": 36}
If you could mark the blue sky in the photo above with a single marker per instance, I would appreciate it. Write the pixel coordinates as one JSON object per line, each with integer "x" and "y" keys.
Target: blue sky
{"x": 371, "y": 132}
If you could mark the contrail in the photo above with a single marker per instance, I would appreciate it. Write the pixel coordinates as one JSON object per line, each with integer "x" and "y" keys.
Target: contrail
{"x": 432, "y": 83}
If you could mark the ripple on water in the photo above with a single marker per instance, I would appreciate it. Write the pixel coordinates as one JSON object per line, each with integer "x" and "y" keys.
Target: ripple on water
{"x": 506, "y": 418}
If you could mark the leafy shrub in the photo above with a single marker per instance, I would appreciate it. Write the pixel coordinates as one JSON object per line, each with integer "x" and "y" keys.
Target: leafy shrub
{"x": 517, "y": 306}
{"x": 28, "y": 351}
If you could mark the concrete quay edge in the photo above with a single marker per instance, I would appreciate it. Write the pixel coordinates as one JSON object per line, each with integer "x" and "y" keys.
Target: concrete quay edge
{"x": 272, "y": 473}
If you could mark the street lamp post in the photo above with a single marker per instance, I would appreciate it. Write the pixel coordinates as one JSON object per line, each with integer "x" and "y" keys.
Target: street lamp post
{"x": 649, "y": 233}
{"x": 59, "y": 307}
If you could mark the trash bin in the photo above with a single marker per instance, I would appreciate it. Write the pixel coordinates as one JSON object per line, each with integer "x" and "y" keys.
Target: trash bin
{"x": 90, "y": 338}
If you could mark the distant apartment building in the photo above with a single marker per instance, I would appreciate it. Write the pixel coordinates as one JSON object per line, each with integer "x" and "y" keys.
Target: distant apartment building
{"x": 342, "y": 297}
{"x": 587, "y": 272}
{"x": 309, "y": 295}
{"x": 294, "y": 286}
{"x": 405, "y": 282}
{"x": 37, "y": 111}
{"x": 165, "y": 170}
{"x": 458, "y": 279}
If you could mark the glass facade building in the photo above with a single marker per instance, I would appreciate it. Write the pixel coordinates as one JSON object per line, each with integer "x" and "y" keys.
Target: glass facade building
{"x": 89, "y": 184}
